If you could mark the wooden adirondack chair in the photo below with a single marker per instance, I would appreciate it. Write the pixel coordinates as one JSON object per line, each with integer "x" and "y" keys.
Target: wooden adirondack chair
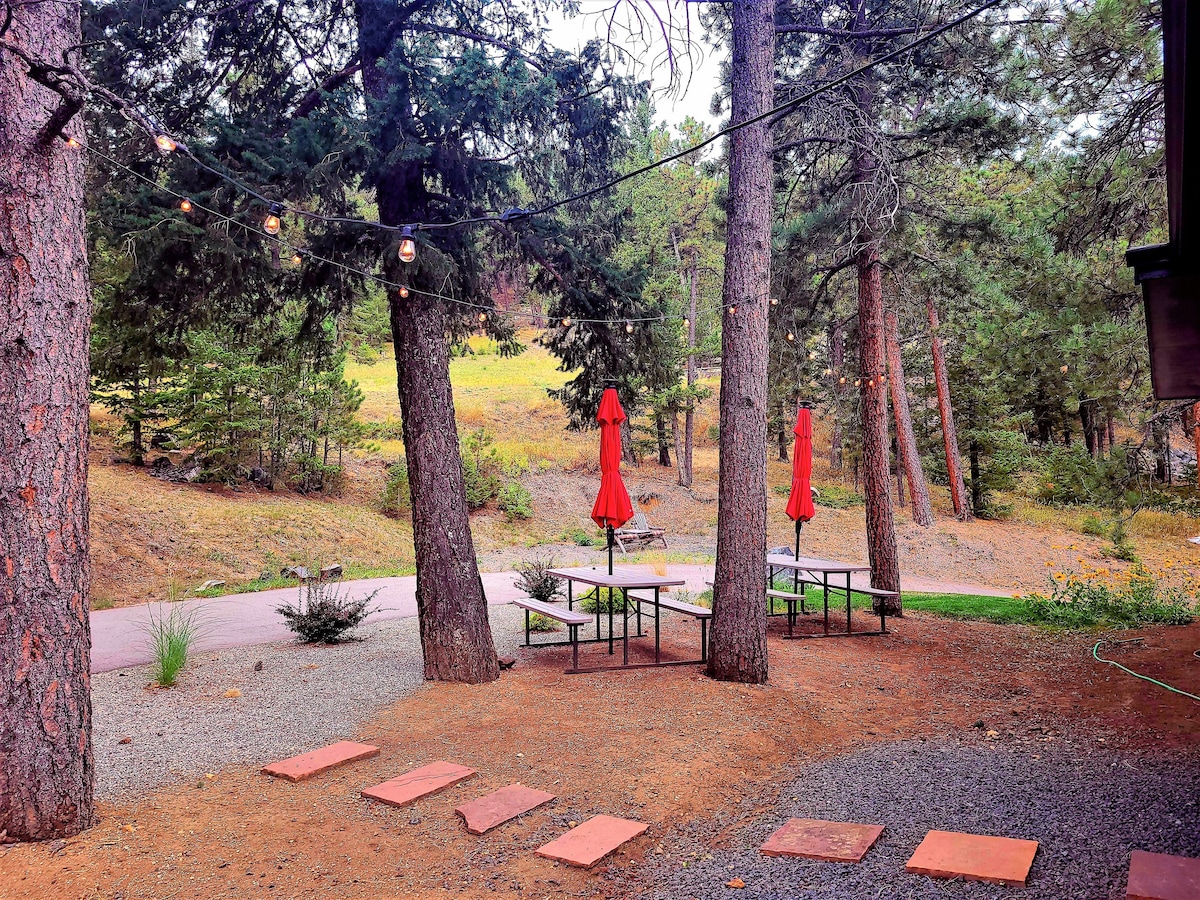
{"x": 637, "y": 532}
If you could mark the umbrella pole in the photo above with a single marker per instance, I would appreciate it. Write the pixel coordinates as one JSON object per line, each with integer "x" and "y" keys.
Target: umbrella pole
{"x": 796, "y": 572}
{"x": 610, "y": 549}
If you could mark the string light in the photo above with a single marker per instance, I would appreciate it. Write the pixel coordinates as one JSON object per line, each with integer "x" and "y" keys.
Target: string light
{"x": 483, "y": 317}
{"x": 271, "y": 223}
{"x": 790, "y": 336}
{"x": 733, "y": 309}
{"x": 629, "y": 328}
{"x": 185, "y": 204}
{"x": 812, "y": 354}
{"x": 871, "y": 383}
{"x": 842, "y": 380}
{"x": 1063, "y": 369}
{"x": 774, "y": 301}
{"x": 296, "y": 259}
{"x": 165, "y": 144}
{"x": 404, "y": 290}
{"x": 687, "y": 323}
{"x": 566, "y": 322}
{"x": 857, "y": 382}
{"x": 829, "y": 371}
{"x": 883, "y": 378}
{"x": 72, "y": 143}
{"x": 408, "y": 246}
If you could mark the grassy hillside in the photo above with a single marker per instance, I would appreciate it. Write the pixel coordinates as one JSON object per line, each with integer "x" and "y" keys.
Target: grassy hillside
{"x": 153, "y": 540}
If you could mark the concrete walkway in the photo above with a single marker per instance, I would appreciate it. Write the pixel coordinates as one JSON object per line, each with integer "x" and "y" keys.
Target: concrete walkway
{"x": 120, "y": 639}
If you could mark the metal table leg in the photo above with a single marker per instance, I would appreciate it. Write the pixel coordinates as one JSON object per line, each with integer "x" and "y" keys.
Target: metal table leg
{"x": 610, "y": 618}
{"x": 624, "y": 624}
{"x": 825, "y": 598}
{"x": 657, "y": 637}
{"x": 849, "y": 629}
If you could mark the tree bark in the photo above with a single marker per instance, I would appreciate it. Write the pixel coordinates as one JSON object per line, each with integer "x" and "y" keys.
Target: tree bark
{"x": 738, "y": 638}
{"x": 958, "y": 488}
{"x": 837, "y": 360}
{"x": 881, "y": 524}
{"x": 46, "y": 769}
{"x": 689, "y": 416}
{"x": 782, "y": 437}
{"x": 660, "y": 431}
{"x": 918, "y": 488}
{"x": 456, "y": 637}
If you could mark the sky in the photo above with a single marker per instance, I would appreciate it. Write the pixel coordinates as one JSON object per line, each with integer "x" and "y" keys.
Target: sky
{"x": 646, "y": 48}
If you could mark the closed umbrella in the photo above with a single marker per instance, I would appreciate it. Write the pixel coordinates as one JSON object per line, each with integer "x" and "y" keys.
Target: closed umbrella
{"x": 612, "y": 508}
{"x": 800, "y": 503}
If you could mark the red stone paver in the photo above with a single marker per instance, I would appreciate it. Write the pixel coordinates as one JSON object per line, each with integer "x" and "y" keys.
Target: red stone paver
{"x": 490, "y": 810}
{"x": 307, "y": 765}
{"x": 588, "y": 843}
{"x": 818, "y": 839}
{"x": 974, "y": 857}
{"x": 1160, "y": 876}
{"x": 404, "y": 789}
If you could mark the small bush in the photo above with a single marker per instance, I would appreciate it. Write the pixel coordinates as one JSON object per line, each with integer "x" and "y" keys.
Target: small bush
{"x": 516, "y": 501}
{"x": 1094, "y": 526}
{"x": 542, "y": 624}
{"x": 395, "y": 499}
{"x": 596, "y": 601}
{"x": 534, "y": 578}
{"x": 172, "y": 635}
{"x": 1098, "y": 598}
{"x": 322, "y": 615}
{"x": 581, "y": 537}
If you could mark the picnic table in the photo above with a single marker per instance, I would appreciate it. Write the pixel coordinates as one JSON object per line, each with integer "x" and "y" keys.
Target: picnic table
{"x": 624, "y": 581}
{"x": 817, "y": 572}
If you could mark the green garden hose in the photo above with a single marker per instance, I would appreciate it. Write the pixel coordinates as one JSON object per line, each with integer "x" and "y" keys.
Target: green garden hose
{"x": 1099, "y": 658}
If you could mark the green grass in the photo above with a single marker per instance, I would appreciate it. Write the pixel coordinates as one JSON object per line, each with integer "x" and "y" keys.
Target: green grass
{"x": 977, "y": 607}
{"x": 350, "y": 572}
{"x": 171, "y": 635}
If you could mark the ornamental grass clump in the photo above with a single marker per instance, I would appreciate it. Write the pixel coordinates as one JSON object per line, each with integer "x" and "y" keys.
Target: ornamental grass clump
{"x": 171, "y": 634}
{"x": 323, "y": 615}
{"x": 1100, "y": 598}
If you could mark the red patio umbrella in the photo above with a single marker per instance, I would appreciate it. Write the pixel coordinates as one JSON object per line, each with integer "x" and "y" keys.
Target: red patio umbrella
{"x": 800, "y": 503}
{"x": 612, "y": 508}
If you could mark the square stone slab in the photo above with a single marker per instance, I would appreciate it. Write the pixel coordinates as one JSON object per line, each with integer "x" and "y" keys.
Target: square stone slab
{"x": 307, "y": 765}
{"x": 404, "y": 789}
{"x": 817, "y": 839}
{"x": 493, "y": 809}
{"x": 1160, "y": 876}
{"x": 974, "y": 857}
{"x": 588, "y": 843}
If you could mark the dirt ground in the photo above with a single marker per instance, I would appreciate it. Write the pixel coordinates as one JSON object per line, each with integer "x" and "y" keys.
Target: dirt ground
{"x": 668, "y": 747}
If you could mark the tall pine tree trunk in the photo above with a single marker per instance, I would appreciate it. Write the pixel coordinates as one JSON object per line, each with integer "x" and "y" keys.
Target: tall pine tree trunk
{"x": 837, "y": 360}
{"x": 46, "y": 769}
{"x": 958, "y": 488}
{"x": 456, "y": 638}
{"x": 881, "y": 525}
{"x": 660, "y": 432}
{"x": 738, "y": 639}
{"x": 918, "y": 488}
{"x": 689, "y": 416}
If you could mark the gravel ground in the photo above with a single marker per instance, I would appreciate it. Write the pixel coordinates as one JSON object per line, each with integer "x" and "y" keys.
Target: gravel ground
{"x": 1088, "y": 809}
{"x": 301, "y": 698}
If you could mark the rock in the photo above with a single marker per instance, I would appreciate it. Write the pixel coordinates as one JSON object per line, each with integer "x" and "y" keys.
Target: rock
{"x": 257, "y": 475}
{"x": 210, "y": 584}
{"x": 162, "y": 439}
{"x": 232, "y": 693}
{"x": 507, "y": 662}
{"x": 735, "y": 883}
{"x": 258, "y": 666}
{"x": 125, "y": 740}
{"x": 334, "y": 571}
{"x": 192, "y": 474}
{"x": 296, "y": 572}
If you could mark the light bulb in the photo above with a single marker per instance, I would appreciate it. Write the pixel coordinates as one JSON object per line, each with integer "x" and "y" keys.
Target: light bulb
{"x": 1063, "y": 369}
{"x": 790, "y": 336}
{"x": 403, "y": 290}
{"x": 566, "y": 322}
{"x": 629, "y": 328}
{"x": 73, "y": 144}
{"x": 295, "y": 259}
{"x": 271, "y": 223}
{"x": 185, "y": 204}
{"x": 733, "y": 309}
{"x": 812, "y": 354}
{"x": 687, "y": 323}
{"x": 483, "y": 317}
{"x": 774, "y": 301}
{"x": 408, "y": 246}
{"x": 883, "y": 378}
{"x": 829, "y": 371}
{"x": 165, "y": 144}
{"x": 842, "y": 380}
{"x": 857, "y": 382}
{"x": 871, "y": 383}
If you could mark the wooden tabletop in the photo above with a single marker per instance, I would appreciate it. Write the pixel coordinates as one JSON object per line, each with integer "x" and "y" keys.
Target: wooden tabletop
{"x": 811, "y": 564}
{"x": 599, "y": 577}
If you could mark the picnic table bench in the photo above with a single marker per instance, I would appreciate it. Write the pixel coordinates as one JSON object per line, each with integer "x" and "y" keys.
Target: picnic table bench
{"x": 568, "y": 617}
{"x": 702, "y": 614}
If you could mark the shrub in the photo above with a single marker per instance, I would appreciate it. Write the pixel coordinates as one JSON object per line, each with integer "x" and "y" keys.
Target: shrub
{"x": 171, "y": 637}
{"x": 534, "y": 578}
{"x": 597, "y": 601}
{"x": 322, "y": 615}
{"x": 1068, "y": 475}
{"x": 581, "y": 537}
{"x": 1094, "y": 526}
{"x": 542, "y": 624}
{"x": 395, "y": 499}
{"x": 834, "y": 496}
{"x": 1099, "y": 598}
{"x": 516, "y": 501}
